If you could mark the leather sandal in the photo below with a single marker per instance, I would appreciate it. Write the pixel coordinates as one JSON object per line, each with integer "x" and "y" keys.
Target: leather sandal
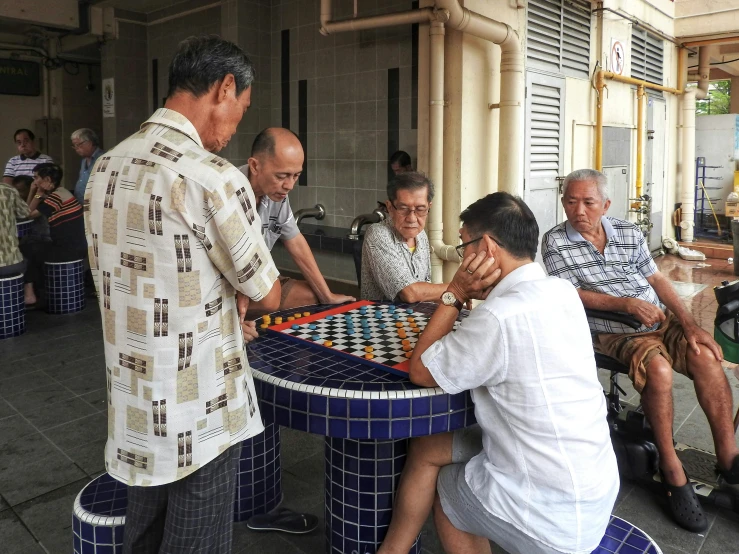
{"x": 684, "y": 505}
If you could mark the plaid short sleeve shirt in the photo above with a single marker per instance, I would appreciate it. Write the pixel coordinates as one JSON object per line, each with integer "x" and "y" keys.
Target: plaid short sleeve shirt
{"x": 173, "y": 233}
{"x": 621, "y": 270}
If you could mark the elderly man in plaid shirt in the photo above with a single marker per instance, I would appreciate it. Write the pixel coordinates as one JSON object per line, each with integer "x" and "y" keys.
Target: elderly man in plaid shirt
{"x": 607, "y": 259}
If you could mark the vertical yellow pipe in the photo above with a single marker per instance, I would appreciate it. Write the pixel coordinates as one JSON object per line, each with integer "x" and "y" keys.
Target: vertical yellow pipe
{"x": 641, "y": 98}
{"x": 599, "y": 85}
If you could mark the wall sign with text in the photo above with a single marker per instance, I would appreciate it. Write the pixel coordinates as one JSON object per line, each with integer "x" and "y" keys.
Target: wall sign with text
{"x": 20, "y": 78}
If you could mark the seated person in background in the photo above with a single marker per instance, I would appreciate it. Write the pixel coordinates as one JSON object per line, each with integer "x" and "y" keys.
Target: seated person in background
{"x": 28, "y": 156}
{"x": 608, "y": 261}
{"x": 538, "y": 473}
{"x": 22, "y": 183}
{"x": 23, "y": 165}
{"x": 400, "y": 162}
{"x": 396, "y": 258}
{"x": 64, "y": 213}
{"x": 275, "y": 164}
{"x": 12, "y": 208}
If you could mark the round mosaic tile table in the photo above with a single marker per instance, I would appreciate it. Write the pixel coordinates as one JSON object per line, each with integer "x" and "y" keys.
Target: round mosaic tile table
{"x": 366, "y": 415}
{"x": 23, "y": 228}
{"x": 621, "y": 537}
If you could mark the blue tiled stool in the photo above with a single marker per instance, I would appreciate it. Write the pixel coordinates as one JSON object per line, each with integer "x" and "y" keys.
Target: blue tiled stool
{"x": 12, "y": 307}
{"x": 622, "y": 537}
{"x": 99, "y": 517}
{"x": 65, "y": 287}
{"x": 258, "y": 478}
{"x": 361, "y": 479}
{"x": 23, "y": 228}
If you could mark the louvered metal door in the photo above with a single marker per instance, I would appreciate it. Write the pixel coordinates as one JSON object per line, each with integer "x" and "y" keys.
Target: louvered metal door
{"x": 558, "y": 36}
{"x": 544, "y": 148}
{"x": 647, "y": 56}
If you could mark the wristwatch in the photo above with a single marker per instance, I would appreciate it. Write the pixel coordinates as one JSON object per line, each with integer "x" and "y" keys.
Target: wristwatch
{"x": 448, "y": 299}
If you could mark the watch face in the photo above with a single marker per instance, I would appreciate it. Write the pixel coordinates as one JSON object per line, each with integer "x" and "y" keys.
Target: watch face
{"x": 448, "y": 298}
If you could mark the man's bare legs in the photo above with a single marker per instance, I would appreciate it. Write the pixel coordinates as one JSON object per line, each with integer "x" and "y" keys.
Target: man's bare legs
{"x": 452, "y": 539}
{"x": 714, "y": 397}
{"x": 416, "y": 491}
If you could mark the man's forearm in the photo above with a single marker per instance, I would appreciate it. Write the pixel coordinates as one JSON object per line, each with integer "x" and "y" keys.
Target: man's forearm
{"x": 301, "y": 253}
{"x": 601, "y": 301}
{"x": 422, "y": 292}
{"x": 440, "y": 324}
{"x": 7, "y": 180}
{"x": 670, "y": 299}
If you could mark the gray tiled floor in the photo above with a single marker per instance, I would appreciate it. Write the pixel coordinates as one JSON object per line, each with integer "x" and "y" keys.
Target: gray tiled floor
{"x": 53, "y": 426}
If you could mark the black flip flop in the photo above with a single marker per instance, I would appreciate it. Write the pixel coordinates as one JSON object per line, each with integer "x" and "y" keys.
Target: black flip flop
{"x": 684, "y": 506}
{"x": 283, "y": 520}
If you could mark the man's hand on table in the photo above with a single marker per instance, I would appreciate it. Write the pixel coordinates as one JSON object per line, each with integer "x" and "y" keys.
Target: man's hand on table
{"x": 475, "y": 277}
{"x": 336, "y": 299}
{"x": 644, "y": 311}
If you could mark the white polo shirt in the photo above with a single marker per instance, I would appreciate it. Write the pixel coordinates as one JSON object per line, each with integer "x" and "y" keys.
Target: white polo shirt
{"x": 547, "y": 465}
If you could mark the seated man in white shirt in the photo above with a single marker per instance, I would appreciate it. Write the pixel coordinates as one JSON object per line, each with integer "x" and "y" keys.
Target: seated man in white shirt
{"x": 274, "y": 167}
{"x": 538, "y": 475}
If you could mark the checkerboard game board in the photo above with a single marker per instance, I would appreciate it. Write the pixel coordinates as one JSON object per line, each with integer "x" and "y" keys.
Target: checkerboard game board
{"x": 361, "y": 331}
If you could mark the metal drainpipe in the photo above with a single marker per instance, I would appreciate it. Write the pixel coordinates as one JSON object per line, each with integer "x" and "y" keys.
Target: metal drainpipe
{"x": 512, "y": 88}
{"x": 641, "y": 98}
{"x": 441, "y": 251}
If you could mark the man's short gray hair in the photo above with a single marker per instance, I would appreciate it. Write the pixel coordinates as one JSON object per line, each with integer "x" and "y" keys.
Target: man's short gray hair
{"x": 86, "y": 134}
{"x": 593, "y": 175}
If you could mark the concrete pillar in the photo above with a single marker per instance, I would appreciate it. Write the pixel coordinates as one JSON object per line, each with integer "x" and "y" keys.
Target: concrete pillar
{"x": 734, "y": 102}
{"x": 125, "y": 60}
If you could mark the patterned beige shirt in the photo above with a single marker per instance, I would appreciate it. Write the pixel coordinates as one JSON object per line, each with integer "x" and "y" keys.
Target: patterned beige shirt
{"x": 172, "y": 230}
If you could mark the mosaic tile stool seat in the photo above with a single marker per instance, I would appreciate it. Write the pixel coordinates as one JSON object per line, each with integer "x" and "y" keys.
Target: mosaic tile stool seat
{"x": 366, "y": 415}
{"x": 12, "y": 307}
{"x": 65, "y": 286}
{"x": 99, "y": 516}
{"x": 623, "y": 537}
{"x": 258, "y": 477}
{"x": 23, "y": 228}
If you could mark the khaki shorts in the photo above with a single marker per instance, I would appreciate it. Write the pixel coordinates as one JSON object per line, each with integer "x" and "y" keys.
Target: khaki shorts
{"x": 637, "y": 350}
{"x": 464, "y": 509}
{"x": 286, "y": 283}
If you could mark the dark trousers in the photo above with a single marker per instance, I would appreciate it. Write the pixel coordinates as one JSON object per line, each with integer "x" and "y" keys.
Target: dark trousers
{"x": 37, "y": 253}
{"x": 191, "y": 516}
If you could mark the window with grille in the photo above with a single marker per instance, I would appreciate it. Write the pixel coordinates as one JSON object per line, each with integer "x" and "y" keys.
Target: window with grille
{"x": 558, "y": 36}
{"x": 647, "y": 56}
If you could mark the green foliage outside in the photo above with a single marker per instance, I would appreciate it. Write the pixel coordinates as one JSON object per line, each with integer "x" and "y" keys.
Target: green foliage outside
{"x": 719, "y": 93}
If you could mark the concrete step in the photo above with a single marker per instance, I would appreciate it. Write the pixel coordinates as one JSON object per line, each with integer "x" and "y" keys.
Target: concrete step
{"x": 714, "y": 250}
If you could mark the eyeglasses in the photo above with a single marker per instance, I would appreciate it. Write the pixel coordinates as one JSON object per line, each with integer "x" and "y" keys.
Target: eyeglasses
{"x": 75, "y": 146}
{"x": 404, "y": 211}
{"x": 461, "y": 247}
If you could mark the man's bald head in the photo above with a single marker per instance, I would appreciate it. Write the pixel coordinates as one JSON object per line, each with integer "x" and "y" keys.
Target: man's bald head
{"x": 272, "y": 139}
{"x": 276, "y": 162}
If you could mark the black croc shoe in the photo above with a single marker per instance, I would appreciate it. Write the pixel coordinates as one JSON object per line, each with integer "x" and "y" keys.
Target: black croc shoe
{"x": 684, "y": 505}
{"x": 731, "y": 475}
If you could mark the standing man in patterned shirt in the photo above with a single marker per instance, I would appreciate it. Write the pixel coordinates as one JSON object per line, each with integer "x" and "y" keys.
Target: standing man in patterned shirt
{"x": 173, "y": 235}
{"x": 396, "y": 258}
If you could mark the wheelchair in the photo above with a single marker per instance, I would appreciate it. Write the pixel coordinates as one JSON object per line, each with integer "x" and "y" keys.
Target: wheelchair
{"x": 631, "y": 435}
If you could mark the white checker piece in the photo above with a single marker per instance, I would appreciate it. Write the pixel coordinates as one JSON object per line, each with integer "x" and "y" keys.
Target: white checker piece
{"x": 387, "y": 345}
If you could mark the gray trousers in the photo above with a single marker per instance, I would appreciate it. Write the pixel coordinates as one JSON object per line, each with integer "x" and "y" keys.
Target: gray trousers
{"x": 191, "y": 516}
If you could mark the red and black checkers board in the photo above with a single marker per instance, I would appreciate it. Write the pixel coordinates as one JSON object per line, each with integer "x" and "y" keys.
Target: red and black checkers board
{"x": 380, "y": 335}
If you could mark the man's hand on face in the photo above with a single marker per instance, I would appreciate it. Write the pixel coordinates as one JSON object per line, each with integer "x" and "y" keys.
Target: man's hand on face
{"x": 475, "y": 277}
{"x": 337, "y": 299}
{"x": 644, "y": 311}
